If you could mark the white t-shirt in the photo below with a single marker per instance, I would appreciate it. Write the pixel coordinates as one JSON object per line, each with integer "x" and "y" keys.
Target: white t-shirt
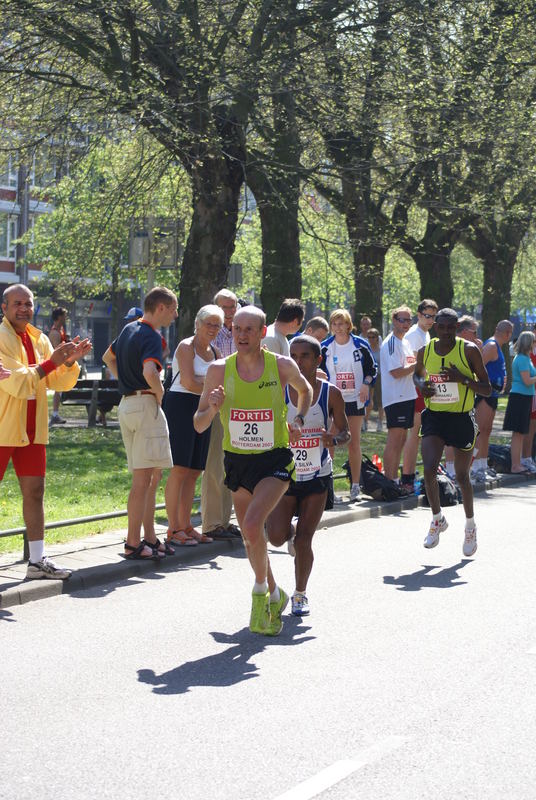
{"x": 417, "y": 337}
{"x": 396, "y": 353}
{"x": 275, "y": 341}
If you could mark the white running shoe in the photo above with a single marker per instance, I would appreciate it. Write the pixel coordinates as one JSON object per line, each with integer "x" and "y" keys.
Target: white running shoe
{"x": 469, "y": 543}
{"x": 300, "y": 604}
{"x": 355, "y": 492}
{"x": 47, "y": 569}
{"x": 432, "y": 539}
{"x": 478, "y": 476}
{"x": 290, "y": 547}
{"x": 529, "y": 464}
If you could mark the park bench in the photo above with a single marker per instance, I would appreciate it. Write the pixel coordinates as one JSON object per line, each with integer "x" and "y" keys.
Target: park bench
{"x": 92, "y": 394}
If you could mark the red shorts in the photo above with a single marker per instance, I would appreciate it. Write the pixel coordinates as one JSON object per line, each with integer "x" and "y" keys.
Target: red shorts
{"x": 419, "y": 403}
{"x": 29, "y": 461}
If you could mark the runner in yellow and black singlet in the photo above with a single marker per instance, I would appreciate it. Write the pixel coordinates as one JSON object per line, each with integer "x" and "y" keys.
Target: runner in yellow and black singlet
{"x": 449, "y": 372}
{"x": 247, "y": 389}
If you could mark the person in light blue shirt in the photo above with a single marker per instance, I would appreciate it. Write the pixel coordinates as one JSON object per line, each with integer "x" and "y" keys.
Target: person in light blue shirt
{"x": 517, "y": 417}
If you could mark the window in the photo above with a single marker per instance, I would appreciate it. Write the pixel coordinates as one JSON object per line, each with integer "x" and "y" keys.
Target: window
{"x": 8, "y": 173}
{"x": 8, "y": 234}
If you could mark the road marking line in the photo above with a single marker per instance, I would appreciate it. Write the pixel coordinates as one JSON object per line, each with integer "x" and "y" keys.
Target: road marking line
{"x": 340, "y": 770}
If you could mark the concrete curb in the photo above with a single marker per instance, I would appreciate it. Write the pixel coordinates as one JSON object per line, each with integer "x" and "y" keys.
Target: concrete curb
{"x": 112, "y": 568}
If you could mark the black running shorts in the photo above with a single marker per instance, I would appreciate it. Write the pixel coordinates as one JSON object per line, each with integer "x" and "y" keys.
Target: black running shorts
{"x": 457, "y": 429}
{"x": 246, "y": 470}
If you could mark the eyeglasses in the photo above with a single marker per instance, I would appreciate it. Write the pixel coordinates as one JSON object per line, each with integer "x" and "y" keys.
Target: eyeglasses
{"x": 428, "y": 316}
{"x": 403, "y": 320}
{"x": 372, "y": 336}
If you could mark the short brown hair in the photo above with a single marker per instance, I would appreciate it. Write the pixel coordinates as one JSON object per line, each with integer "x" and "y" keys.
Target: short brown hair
{"x": 160, "y": 294}
{"x": 426, "y": 304}
{"x": 292, "y": 308}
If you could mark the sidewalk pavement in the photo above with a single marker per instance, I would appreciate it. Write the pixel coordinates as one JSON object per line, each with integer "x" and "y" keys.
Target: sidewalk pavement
{"x": 97, "y": 560}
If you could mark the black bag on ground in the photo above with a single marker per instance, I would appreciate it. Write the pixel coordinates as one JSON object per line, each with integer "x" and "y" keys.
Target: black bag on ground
{"x": 448, "y": 493}
{"x": 376, "y": 484}
{"x": 499, "y": 457}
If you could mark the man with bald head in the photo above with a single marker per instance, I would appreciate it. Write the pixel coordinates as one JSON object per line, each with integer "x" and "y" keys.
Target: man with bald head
{"x": 33, "y": 366}
{"x": 248, "y": 391}
{"x": 486, "y": 407}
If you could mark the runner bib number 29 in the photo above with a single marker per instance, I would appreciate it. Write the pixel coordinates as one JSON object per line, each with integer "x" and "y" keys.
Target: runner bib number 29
{"x": 307, "y": 453}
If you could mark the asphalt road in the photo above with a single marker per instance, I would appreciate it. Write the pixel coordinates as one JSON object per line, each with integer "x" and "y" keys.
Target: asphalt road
{"x": 413, "y": 677}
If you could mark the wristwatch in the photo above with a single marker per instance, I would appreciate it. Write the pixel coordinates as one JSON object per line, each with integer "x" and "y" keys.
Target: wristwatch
{"x": 300, "y": 418}
{"x": 465, "y": 382}
{"x": 367, "y": 381}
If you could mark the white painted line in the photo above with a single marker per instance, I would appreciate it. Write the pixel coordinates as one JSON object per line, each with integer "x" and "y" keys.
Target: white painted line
{"x": 340, "y": 770}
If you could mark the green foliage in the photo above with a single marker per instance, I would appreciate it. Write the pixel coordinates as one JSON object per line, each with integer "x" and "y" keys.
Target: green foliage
{"x": 327, "y": 266}
{"x": 84, "y": 241}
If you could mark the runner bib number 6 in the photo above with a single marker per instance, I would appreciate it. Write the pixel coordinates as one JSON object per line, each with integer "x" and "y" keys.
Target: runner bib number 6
{"x": 251, "y": 429}
{"x": 446, "y": 391}
{"x": 345, "y": 381}
{"x": 307, "y": 454}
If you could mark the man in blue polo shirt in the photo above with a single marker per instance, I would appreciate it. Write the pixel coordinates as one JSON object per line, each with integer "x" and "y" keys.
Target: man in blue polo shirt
{"x": 135, "y": 358}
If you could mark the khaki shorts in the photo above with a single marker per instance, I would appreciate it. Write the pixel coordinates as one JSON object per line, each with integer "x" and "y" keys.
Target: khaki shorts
{"x": 145, "y": 432}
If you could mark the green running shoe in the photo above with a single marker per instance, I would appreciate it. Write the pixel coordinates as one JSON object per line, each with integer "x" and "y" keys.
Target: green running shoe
{"x": 259, "y": 621}
{"x": 276, "y": 609}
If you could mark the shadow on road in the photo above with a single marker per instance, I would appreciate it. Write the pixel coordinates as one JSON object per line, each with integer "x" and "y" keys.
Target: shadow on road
{"x": 227, "y": 668}
{"x": 426, "y": 578}
{"x": 7, "y": 616}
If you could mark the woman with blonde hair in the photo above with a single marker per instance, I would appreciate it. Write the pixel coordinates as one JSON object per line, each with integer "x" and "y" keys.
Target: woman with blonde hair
{"x": 517, "y": 416}
{"x": 189, "y": 449}
{"x": 349, "y": 364}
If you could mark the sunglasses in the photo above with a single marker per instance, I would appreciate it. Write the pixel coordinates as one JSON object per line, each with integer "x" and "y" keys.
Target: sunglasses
{"x": 428, "y": 316}
{"x": 404, "y": 320}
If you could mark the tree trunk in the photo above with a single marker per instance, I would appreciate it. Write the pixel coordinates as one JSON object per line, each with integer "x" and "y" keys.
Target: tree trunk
{"x": 276, "y": 183}
{"x": 211, "y": 240}
{"x": 116, "y": 266}
{"x": 497, "y": 287}
{"x": 497, "y": 246}
{"x": 434, "y": 272}
{"x": 369, "y": 266}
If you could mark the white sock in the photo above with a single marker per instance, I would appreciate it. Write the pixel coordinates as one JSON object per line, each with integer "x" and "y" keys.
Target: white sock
{"x": 37, "y": 550}
{"x": 482, "y": 463}
{"x": 260, "y": 588}
{"x": 437, "y": 517}
{"x": 275, "y": 596}
{"x": 470, "y": 523}
{"x": 356, "y": 486}
{"x": 449, "y": 465}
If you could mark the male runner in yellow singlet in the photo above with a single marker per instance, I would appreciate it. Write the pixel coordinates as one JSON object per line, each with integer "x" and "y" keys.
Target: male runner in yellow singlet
{"x": 247, "y": 389}
{"x": 449, "y": 371}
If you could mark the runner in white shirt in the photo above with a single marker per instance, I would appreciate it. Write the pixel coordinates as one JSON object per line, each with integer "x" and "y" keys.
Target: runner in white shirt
{"x": 398, "y": 392}
{"x": 306, "y": 498}
{"x": 418, "y": 336}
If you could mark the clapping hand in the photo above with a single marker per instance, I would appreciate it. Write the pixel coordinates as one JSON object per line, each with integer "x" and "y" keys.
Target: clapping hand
{"x": 81, "y": 349}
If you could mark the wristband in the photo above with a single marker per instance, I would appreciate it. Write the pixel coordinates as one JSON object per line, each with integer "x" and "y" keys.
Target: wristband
{"x": 48, "y": 366}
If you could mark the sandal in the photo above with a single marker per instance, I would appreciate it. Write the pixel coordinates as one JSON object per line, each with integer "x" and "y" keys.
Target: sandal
{"x": 234, "y": 530}
{"x": 136, "y": 553}
{"x": 197, "y": 535}
{"x": 180, "y": 538}
{"x": 162, "y": 550}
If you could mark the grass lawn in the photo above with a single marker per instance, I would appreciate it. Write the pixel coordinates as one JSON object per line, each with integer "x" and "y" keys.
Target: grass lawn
{"x": 87, "y": 474}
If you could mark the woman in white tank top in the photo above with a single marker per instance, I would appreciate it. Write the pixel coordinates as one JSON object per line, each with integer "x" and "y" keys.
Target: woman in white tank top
{"x": 189, "y": 449}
